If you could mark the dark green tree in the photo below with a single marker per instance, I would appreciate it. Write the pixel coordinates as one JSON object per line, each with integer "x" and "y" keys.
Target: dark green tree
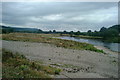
{"x": 50, "y": 31}
{"x": 89, "y": 32}
{"x": 77, "y": 33}
{"x": 64, "y": 32}
{"x": 103, "y": 29}
{"x": 54, "y": 31}
{"x": 71, "y": 33}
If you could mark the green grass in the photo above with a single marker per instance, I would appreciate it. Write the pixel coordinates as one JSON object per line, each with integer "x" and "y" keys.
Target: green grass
{"x": 112, "y": 39}
{"x": 18, "y": 66}
{"x": 83, "y": 36}
{"x": 47, "y": 38}
{"x": 89, "y": 37}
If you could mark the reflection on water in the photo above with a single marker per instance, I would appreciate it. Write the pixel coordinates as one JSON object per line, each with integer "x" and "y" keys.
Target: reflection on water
{"x": 111, "y": 46}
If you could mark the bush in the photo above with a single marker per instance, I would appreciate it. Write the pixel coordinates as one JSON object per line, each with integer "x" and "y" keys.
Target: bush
{"x": 57, "y": 71}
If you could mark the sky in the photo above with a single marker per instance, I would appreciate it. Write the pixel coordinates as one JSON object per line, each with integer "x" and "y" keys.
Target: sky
{"x": 60, "y": 16}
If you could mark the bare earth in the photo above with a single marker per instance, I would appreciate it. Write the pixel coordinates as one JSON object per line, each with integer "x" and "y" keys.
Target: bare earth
{"x": 75, "y": 63}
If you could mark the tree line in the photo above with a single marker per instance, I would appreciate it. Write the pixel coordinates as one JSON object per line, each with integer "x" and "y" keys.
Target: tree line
{"x": 105, "y": 33}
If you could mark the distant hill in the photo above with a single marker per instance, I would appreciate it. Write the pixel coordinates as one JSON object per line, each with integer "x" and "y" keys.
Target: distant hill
{"x": 18, "y": 29}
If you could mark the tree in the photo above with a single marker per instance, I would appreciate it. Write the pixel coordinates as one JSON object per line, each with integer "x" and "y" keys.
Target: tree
{"x": 8, "y": 30}
{"x": 50, "y": 31}
{"x": 40, "y": 31}
{"x": 71, "y": 33}
{"x": 95, "y": 33}
{"x": 110, "y": 33}
{"x": 64, "y": 32}
{"x": 54, "y": 31}
{"x": 89, "y": 33}
{"x": 103, "y": 29}
{"x": 77, "y": 33}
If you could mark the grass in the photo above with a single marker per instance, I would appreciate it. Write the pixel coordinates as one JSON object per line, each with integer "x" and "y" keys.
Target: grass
{"x": 47, "y": 38}
{"x": 18, "y": 66}
{"x": 89, "y": 37}
{"x": 112, "y": 39}
{"x": 83, "y": 36}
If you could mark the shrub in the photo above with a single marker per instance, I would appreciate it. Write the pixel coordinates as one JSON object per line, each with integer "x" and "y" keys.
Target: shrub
{"x": 57, "y": 71}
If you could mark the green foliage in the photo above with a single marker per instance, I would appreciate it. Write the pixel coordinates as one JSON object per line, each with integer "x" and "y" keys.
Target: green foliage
{"x": 77, "y": 33}
{"x": 54, "y": 31}
{"x": 71, "y": 33}
{"x": 57, "y": 71}
{"x": 108, "y": 34}
{"x": 103, "y": 29}
{"x": 24, "y": 67}
{"x": 7, "y": 30}
{"x": 105, "y": 33}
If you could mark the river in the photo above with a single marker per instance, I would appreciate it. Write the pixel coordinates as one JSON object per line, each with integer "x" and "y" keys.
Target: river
{"x": 111, "y": 46}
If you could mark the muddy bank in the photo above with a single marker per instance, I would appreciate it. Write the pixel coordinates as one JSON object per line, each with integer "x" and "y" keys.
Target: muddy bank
{"x": 88, "y": 64}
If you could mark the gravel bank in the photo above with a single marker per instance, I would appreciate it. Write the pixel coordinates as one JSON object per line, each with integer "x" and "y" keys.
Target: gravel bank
{"x": 89, "y": 64}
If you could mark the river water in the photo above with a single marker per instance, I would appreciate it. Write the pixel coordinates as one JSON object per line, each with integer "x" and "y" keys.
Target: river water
{"x": 111, "y": 46}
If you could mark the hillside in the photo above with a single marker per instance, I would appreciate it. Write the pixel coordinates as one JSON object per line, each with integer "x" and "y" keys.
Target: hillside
{"x": 7, "y": 29}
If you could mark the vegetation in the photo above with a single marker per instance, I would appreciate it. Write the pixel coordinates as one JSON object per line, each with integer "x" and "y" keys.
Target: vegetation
{"x": 7, "y": 29}
{"x": 110, "y": 34}
{"x": 18, "y": 66}
{"x": 88, "y": 37}
{"x": 32, "y": 37}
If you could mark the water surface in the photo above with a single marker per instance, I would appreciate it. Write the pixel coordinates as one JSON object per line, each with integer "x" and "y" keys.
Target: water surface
{"x": 111, "y": 46}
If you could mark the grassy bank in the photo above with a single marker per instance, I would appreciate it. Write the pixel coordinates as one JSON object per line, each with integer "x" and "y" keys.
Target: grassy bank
{"x": 82, "y": 36}
{"x": 108, "y": 39}
{"x": 89, "y": 37}
{"x": 18, "y": 66}
{"x": 112, "y": 39}
{"x": 46, "y": 38}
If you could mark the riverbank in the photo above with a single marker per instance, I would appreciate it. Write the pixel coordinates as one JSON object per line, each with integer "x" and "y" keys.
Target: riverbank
{"x": 74, "y": 63}
{"x": 87, "y": 37}
{"x": 108, "y": 51}
{"x": 111, "y": 46}
{"x": 108, "y": 39}
{"x": 48, "y": 38}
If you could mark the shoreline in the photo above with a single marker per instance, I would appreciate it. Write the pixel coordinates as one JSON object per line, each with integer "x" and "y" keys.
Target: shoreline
{"x": 106, "y": 49}
{"x": 92, "y": 38}
{"x": 89, "y": 64}
{"x": 98, "y": 47}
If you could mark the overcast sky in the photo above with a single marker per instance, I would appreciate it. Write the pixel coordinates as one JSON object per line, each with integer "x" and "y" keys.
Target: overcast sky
{"x": 70, "y": 16}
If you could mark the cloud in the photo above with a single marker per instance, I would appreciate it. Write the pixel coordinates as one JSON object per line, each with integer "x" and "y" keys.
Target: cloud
{"x": 53, "y": 17}
{"x": 60, "y": 15}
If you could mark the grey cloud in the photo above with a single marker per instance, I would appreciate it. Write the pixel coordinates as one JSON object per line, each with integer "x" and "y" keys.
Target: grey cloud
{"x": 60, "y": 15}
